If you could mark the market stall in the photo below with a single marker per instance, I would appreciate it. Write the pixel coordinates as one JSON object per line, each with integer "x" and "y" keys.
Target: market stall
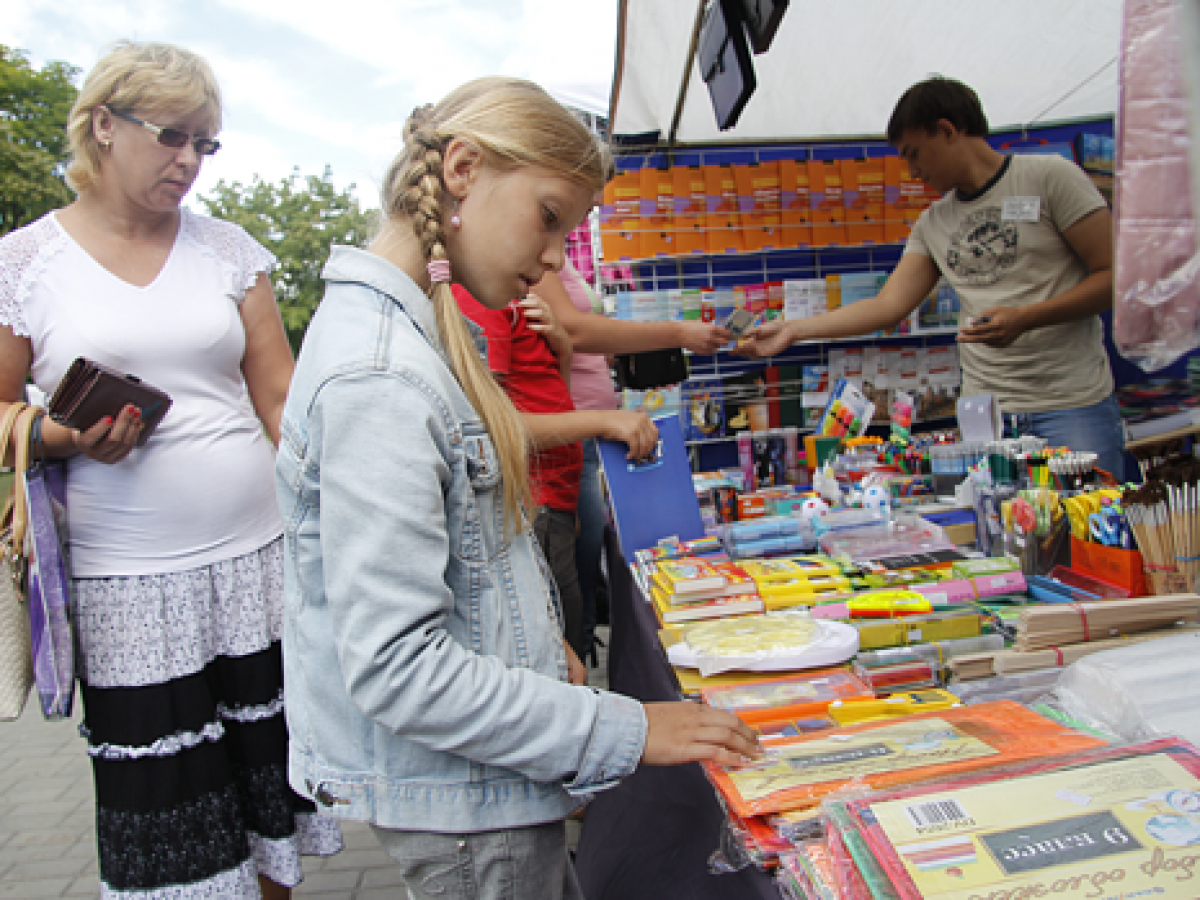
{"x": 920, "y": 616}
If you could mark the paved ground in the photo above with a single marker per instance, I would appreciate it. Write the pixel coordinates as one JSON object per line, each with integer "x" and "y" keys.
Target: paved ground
{"x": 47, "y": 825}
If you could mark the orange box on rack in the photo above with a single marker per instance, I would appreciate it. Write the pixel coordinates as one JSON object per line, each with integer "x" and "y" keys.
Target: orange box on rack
{"x": 620, "y": 237}
{"x": 1114, "y": 565}
{"x": 828, "y": 207}
{"x": 904, "y": 198}
{"x": 759, "y": 205}
{"x": 795, "y": 202}
{"x": 690, "y": 208}
{"x": 722, "y": 219}
{"x": 863, "y": 193}
{"x": 658, "y": 212}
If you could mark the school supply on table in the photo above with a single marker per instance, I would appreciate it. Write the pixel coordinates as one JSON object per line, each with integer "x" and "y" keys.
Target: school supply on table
{"x": 794, "y": 695}
{"x": 1073, "y": 821}
{"x": 1011, "y": 661}
{"x": 763, "y": 643}
{"x": 1139, "y": 692}
{"x": 875, "y": 634}
{"x": 666, "y": 476}
{"x": 716, "y": 607}
{"x": 800, "y": 772}
{"x": 90, "y": 391}
{"x": 1041, "y": 627}
{"x": 895, "y": 669}
{"x": 852, "y": 712}
{"x": 918, "y": 665}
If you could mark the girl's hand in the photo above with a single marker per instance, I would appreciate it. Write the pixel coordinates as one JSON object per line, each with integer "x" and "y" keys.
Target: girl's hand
{"x": 576, "y": 670}
{"x": 541, "y": 319}
{"x": 634, "y": 429}
{"x": 109, "y": 441}
{"x": 691, "y": 732}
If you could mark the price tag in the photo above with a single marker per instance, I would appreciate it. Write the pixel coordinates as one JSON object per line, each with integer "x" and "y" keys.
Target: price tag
{"x": 1021, "y": 209}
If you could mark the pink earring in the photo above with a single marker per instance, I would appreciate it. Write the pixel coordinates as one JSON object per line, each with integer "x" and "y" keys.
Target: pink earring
{"x": 455, "y": 219}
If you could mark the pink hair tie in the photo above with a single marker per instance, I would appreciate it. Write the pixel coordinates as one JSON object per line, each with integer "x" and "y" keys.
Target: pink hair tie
{"x": 439, "y": 271}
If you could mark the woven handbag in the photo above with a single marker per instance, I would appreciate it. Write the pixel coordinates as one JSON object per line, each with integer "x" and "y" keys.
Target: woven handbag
{"x": 16, "y": 659}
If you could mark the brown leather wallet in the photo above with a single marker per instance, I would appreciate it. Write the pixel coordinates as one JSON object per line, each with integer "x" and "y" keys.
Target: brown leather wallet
{"x": 90, "y": 391}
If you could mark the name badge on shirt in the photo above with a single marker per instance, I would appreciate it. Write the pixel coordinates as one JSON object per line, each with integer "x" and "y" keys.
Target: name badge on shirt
{"x": 1021, "y": 209}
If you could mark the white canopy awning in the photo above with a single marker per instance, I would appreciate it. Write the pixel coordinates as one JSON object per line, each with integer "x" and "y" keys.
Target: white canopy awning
{"x": 837, "y": 67}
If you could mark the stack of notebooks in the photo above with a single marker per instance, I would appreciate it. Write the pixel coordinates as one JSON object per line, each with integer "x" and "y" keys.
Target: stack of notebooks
{"x": 691, "y": 588}
{"x": 1111, "y": 822}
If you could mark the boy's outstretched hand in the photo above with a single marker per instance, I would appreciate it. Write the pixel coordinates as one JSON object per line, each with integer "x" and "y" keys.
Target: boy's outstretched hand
{"x": 685, "y": 732}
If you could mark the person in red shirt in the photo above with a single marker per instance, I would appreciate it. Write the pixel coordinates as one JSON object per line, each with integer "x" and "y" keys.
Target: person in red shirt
{"x": 529, "y": 352}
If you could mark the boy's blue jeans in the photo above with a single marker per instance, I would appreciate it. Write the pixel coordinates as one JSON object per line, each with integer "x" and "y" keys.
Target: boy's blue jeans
{"x": 1096, "y": 428}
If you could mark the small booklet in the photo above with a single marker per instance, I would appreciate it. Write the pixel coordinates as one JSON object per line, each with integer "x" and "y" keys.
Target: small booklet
{"x": 90, "y": 391}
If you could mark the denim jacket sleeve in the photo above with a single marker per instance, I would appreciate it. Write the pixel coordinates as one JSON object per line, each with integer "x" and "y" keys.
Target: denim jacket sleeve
{"x": 385, "y": 462}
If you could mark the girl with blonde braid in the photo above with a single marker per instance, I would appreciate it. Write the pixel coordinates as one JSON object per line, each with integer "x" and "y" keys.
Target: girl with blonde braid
{"x": 425, "y": 666}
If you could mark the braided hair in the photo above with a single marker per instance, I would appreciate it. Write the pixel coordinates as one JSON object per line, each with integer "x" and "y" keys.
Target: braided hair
{"x": 514, "y": 123}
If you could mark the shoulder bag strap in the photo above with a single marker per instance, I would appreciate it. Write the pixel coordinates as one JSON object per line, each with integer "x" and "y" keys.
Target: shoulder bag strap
{"x": 20, "y": 439}
{"x": 7, "y": 421}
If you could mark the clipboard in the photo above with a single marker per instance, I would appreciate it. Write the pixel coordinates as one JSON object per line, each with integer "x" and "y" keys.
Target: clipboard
{"x": 652, "y": 499}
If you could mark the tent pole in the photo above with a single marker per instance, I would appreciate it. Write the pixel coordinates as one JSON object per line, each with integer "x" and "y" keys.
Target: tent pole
{"x": 619, "y": 68}
{"x": 687, "y": 73}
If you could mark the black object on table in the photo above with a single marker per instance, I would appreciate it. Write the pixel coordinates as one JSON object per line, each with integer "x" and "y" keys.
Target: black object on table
{"x": 651, "y": 836}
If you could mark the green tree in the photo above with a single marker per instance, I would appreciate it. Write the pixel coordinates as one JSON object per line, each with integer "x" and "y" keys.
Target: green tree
{"x": 34, "y": 106}
{"x": 298, "y": 219}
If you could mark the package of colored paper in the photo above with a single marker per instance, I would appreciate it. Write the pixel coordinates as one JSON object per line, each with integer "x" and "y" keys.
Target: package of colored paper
{"x": 1126, "y": 825}
{"x": 800, "y": 772}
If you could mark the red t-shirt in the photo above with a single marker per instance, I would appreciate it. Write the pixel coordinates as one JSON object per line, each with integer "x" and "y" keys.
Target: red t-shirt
{"x": 528, "y": 370}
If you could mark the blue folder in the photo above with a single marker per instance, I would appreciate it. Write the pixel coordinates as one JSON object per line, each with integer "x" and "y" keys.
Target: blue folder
{"x": 652, "y": 499}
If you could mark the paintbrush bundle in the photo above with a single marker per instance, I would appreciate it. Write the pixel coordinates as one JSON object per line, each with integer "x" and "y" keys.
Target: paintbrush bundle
{"x": 1165, "y": 517}
{"x": 1053, "y": 625}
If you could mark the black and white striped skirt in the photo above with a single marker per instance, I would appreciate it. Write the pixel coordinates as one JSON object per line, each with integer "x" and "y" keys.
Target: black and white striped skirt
{"x": 182, "y": 683}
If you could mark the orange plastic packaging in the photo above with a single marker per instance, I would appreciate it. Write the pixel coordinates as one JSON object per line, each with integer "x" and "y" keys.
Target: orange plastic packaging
{"x": 800, "y": 772}
{"x": 828, "y": 206}
{"x": 795, "y": 201}
{"x": 621, "y": 238}
{"x": 759, "y": 205}
{"x": 790, "y": 697}
{"x": 863, "y": 179}
{"x": 657, "y": 189}
{"x": 723, "y": 219}
{"x": 690, "y": 209}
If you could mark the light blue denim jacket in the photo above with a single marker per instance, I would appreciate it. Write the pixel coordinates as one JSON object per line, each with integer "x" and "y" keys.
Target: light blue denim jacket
{"x": 423, "y": 660}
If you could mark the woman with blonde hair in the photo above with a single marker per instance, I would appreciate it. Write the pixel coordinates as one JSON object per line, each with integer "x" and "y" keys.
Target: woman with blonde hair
{"x": 175, "y": 549}
{"x": 424, "y": 656}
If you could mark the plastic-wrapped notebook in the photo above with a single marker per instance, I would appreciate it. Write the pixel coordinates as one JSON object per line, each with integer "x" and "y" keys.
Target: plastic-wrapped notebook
{"x": 802, "y": 771}
{"x": 793, "y": 695}
{"x": 1122, "y": 822}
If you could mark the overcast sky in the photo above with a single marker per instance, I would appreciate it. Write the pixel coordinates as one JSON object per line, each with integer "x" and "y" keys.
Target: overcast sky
{"x": 314, "y": 82}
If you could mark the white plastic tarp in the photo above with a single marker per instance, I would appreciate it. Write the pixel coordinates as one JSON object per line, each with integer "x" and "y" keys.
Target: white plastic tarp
{"x": 837, "y": 67}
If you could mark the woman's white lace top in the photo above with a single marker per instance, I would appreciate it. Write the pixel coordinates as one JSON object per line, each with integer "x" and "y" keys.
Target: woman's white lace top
{"x": 202, "y": 487}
